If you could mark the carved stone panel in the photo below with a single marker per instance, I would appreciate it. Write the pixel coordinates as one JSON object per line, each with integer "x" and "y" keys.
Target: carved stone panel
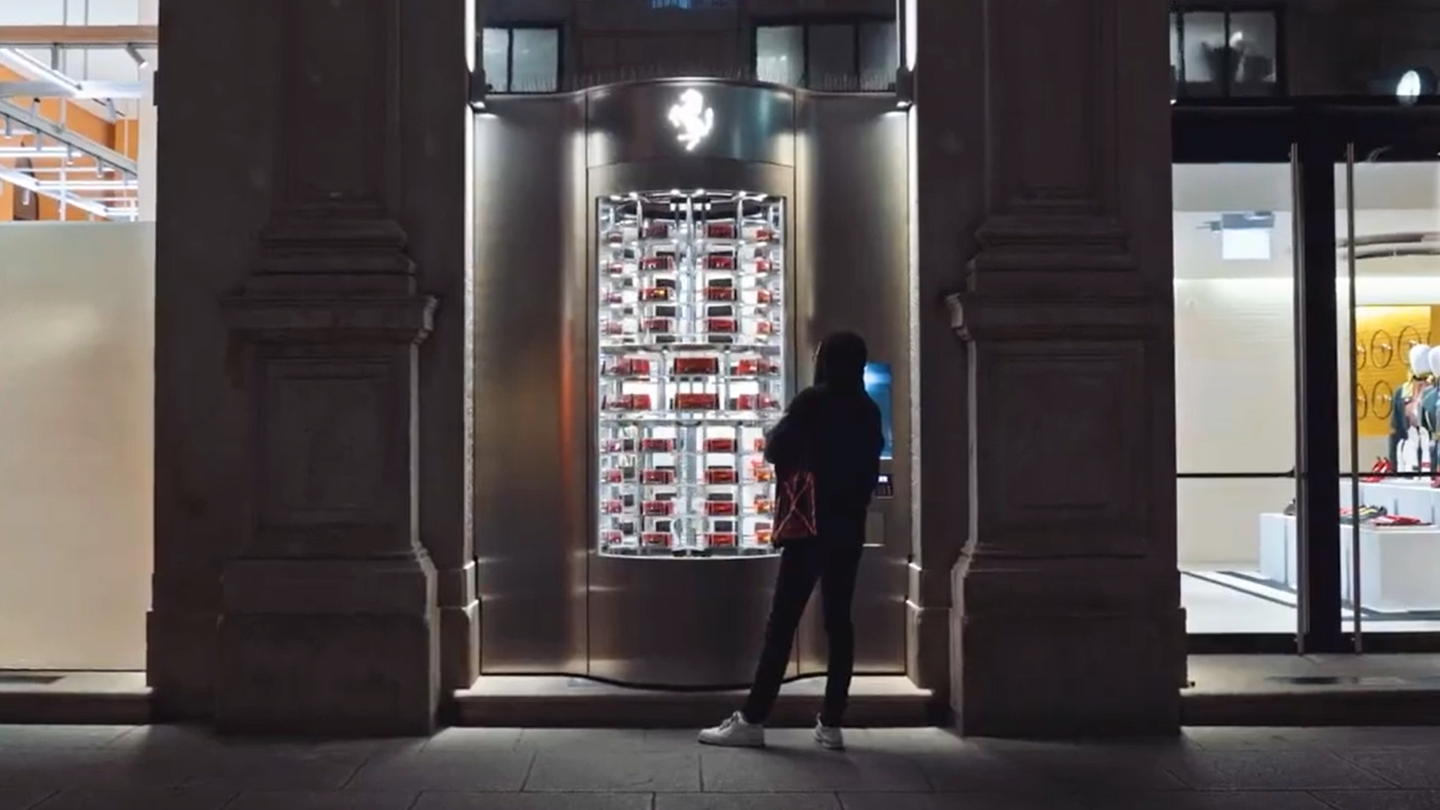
{"x": 339, "y": 102}
{"x": 326, "y": 450}
{"x": 332, "y": 469}
{"x": 1052, "y": 128}
{"x": 1061, "y": 446}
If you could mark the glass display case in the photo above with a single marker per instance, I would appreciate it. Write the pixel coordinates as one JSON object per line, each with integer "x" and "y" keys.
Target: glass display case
{"x": 692, "y": 370}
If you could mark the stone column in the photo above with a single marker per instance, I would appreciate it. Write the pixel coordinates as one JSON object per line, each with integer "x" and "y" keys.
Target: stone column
{"x": 1052, "y": 117}
{"x": 312, "y": 213}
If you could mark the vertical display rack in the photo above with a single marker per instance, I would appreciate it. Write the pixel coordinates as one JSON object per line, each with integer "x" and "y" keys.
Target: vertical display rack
{"x": 691, "y": 364}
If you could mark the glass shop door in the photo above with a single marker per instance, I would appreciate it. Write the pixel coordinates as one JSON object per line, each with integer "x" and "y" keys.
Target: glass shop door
{"x": 1242, "y": 522}
{"x": 1387, "y": 201}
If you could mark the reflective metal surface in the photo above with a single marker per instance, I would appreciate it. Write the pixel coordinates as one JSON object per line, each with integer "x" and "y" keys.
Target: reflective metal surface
{"x": 549, "y": 602}
{"x": 530, "y": 432}
{"x": 852, "y": 247}
{"x": 631, "y": 123}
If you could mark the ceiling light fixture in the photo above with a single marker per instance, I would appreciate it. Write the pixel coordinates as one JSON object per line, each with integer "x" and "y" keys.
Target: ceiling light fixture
{"x": 140, "y": 60}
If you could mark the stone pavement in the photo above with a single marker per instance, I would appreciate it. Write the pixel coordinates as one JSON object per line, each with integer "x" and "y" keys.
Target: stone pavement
{"x": 171, "y": 768}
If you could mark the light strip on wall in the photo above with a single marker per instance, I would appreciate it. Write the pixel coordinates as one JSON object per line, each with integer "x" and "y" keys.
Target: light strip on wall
{"x": 22, "y": 180}
{"x": 910, "y": 15}
{"x": 25, "y": 63}
{"x": 33, "y": 152}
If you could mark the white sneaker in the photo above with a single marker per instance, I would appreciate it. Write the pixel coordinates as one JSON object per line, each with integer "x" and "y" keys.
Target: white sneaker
{"x": 735, "y": 732}
{"x": 830, "y": 737}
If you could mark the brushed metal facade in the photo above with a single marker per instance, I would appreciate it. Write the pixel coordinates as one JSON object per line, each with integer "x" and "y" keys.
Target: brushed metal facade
{"x": 629, "y": 123}
{"x": 549, "y": 602}
{"x": 852, "y": 269}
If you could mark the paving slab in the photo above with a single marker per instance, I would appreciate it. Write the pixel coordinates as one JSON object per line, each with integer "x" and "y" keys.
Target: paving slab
{"x": 175, "y": 768}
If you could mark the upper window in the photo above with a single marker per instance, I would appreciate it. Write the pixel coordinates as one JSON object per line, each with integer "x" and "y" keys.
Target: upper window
{"x": 695, "y": 5}
{"x": 521, "y": 59}
{"x": 1224, "y": 53}
{"x": 832, "y": 56}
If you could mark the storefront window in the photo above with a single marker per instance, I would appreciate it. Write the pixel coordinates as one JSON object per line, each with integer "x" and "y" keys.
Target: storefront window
{"x": 879, "y": 56}
{"x": 780, "y": 54}
{"x": 522, "y": 59}
{"x": 1174, "y": 55}
{"x": 1220, "y": 54}
{"x": 830, "y": 58}
{"x": 1390, "y": 404}
{"x": 495, "y": 58}
{"x": 833, "y": 56}
{"x": 1235, "y": 396}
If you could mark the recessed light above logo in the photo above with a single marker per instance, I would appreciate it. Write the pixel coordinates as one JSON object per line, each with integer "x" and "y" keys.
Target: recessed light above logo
{"x": 692, "y": 119}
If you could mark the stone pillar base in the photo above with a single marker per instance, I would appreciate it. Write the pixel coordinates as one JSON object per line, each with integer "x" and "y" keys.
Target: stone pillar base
{"x": 927, "y": 648}
{"x": 460, "y": 654}
{"x": 334, "y": 648}
{"x": 1078, "y": 662}
{"x": 180, "y": 664}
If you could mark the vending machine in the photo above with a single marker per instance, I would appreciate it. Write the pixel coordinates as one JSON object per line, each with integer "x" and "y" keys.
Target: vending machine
{"x": 655, "y": 265}
{"x": 691, "y": 368}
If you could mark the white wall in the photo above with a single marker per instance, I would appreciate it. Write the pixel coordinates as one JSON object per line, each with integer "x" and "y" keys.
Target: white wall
{"x": 76, "y": 444}
{"x": 1235, "y": 345}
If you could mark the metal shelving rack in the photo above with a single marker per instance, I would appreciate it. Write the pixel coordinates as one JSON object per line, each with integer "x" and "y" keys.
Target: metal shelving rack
{"x": 691, "y": 371}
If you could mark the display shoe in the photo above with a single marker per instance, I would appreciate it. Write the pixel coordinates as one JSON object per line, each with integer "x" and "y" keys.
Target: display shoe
{"x": 1398, "y": 520}
{"x": 830, "y": 737}
{"x": 735, "y": 732}
{"x": 1378, "y": 471}
{"x": 1367, "y": 514}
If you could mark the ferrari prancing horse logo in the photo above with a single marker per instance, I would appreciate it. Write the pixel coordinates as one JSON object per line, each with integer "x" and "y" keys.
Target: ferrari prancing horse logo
{"x": 692, "y": 118}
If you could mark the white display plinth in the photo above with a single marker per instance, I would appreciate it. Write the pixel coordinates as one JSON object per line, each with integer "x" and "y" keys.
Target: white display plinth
{"x": 1277, "y": 548}
{"x": 1399, "y": 565}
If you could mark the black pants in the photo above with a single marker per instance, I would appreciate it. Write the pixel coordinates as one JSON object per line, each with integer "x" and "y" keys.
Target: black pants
{"x": 802, "y": 564}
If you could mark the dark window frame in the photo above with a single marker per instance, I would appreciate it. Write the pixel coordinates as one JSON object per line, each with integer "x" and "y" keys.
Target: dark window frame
{"x": 856, "y": 22}
{"x": 1276, "y": 12}
{"x": 510, "y": 28}
{"x": 692, "y": 5}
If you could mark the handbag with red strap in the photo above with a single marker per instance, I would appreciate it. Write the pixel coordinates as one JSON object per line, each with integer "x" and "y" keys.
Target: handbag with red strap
{"x": 795, "y": 507}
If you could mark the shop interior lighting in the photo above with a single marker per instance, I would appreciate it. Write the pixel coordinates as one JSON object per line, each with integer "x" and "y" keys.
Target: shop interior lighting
{"x": 48, "y": 152}
{"x": 140, "y": 60}
{"x": 29, "y": 64}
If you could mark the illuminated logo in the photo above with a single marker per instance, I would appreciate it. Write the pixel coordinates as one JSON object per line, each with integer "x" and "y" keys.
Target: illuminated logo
{"x": 692, "y": 119}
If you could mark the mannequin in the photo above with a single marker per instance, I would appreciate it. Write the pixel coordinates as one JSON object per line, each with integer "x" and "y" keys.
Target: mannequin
{"x": 1430, "y": 418}
{"x": 1405, "y": 410}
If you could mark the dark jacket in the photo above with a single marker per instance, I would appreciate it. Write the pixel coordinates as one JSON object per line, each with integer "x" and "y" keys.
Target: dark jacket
{"x": 832, "y": 428}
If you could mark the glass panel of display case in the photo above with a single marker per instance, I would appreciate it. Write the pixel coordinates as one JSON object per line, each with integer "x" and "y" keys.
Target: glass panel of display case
{"x": 691, "y": 365}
